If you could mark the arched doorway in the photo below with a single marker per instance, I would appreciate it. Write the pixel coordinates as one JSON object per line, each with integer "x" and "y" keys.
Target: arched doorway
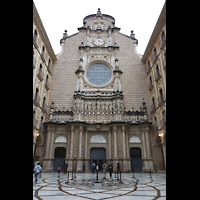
{"x": 98, "y": 156}
{"x": 136, "y": 161}
{"x": 59, "y": 157}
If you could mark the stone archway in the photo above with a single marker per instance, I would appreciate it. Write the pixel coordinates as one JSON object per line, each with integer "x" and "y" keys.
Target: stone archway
{"x": 59, "y": 158}
{"x": 98, "y": 156}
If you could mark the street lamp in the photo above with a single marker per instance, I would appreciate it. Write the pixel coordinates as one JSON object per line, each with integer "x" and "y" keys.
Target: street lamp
{"x": 161, "y": 134}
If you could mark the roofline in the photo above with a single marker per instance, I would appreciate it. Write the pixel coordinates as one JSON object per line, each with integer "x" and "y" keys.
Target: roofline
{"x": 43, "y": 34}
{"x": 94, "y": 15}
{"x": 159, "y": 24}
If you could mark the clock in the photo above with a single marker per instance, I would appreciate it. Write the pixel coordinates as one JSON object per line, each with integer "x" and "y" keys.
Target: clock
{"x": 99, "y": 42}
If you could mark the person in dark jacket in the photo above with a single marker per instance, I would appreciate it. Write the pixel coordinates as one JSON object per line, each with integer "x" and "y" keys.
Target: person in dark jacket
{"x": 110, "y": 169}
{"x": 66, "y": 166}
{"x": 118, "y": 166}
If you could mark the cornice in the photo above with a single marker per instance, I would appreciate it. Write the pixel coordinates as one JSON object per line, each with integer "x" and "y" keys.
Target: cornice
{"x": 157, "y": 29}
{"x": 43, "y": 34}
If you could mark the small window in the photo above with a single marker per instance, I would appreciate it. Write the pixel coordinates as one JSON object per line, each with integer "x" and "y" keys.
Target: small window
{"x": 161, "y": 95}
{"x": 163, "y": 36}
{"x": 35, "y": 35}
{"x": 156, "y": 123}
{"x": 150, "y": 81}
{"x": 155, "y": 52}
{"x": 43, "y": 50}
{"x": 149, "y": 66}
{"x": 153, "y": 101}
{"x": 157, "y": 70}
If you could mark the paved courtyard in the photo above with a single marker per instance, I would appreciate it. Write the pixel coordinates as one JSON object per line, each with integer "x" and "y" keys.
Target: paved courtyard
{"x": 142, "y": 187}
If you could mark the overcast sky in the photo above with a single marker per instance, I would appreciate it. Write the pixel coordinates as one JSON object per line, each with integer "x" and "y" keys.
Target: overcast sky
{"x": 137, "y": 15}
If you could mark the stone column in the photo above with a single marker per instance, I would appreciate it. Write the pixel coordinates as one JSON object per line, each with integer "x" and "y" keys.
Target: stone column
{"x": 123, "y": 143}
{"x": 51, "y": 154}
{"x": 144, "y": 145}
{"x": 87, "y": 165}
{"x": 80, "y": 157}
{"x": 164, "y": 152}
{"x": 70, "y": 160}
{"x": 115, "y": 160}
{"x": 115, "y": 140}
{"x": 147, "y": 143}
{"x": 109, "y": 145}
{"x": 148, "y": 161}
{"x": 124, "y": 146}
{"x": 46, "y": 160}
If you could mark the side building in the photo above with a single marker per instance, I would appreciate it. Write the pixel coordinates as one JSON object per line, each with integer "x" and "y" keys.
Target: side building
{"x": 155, "y": 59}
{"x": 43, "y": 61}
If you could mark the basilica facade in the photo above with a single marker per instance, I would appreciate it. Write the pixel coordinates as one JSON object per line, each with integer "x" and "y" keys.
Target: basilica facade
{"x": 98, "y": 105}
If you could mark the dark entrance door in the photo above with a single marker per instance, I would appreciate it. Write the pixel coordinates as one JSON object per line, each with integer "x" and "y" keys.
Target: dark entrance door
{"x": 59, "y": 157}
{"x": 98, "y": 156}
{"x": 136, "y": 161}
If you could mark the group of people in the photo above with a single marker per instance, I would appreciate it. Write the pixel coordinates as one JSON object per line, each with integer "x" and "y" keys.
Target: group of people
{"x": 105, "y": 168}
{"x": 37, "y": 169}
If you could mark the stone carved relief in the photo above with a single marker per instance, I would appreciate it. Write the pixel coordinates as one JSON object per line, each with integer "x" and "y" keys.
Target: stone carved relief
{"x": 61, "y": 139}
{"x": 76, "y": 144}
{"x": 134, "y": 139}
{"x": 98, "y": 138}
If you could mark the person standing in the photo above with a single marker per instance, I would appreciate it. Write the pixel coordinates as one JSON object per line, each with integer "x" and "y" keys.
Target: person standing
{"x": 93, "y": 167}
{"x": 66, "y": 166}
{"x": 118, "y": 166}
{"x": 104, "y": 166}
{"x": 59, "y": 171}
{"x": 37, "y": 170}
{"x": 110, "y": 169}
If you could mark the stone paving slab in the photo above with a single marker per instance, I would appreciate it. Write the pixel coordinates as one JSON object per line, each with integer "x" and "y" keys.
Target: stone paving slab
{"x": 83, "y": 187}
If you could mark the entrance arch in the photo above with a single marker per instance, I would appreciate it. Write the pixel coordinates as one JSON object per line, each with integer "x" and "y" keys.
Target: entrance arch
{"x": 59, "y": 157}
{"x": 98, "y": 156}
{"x": 136, "y": 161}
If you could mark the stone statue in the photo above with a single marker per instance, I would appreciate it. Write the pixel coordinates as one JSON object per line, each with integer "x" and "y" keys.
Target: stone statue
{"x": 117, "y": 85}
{"x": 79, "y": 86}
{"x": 98, "y": 106}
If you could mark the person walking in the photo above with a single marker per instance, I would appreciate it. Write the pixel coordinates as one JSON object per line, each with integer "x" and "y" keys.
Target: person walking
{"x": 104, "y": 166}
{"x": 37, "y": 170}
{"x": 110, "y": 169}
{"x": 59, "y": 171}
{"x": 93, "y": 167}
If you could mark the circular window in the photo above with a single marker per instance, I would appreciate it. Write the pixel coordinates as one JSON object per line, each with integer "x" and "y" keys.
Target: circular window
{"x": 98, "y": 74}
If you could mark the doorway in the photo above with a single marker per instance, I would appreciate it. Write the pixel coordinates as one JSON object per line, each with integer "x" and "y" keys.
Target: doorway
{"x": 59, "y": 158}
{"x": 136, "y": 161}
{"x": 98, "y": 156}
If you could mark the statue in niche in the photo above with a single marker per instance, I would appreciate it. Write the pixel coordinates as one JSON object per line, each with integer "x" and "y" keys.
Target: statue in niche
{"x": 79, "y": 86}
{"x": 110, "y": 106}
{"x": 85, "y": 106}
{"x": 98, "y": 106}
{"x": 82, "y": 105}
{"x": 94, "y": 107}
{"x": 76, "y": 105}
{"x": 109, "y": 40}
{"x": 102, "y": 107}
{"x": 89, "y": 106}
{"x": 106, "y": 107}
{"x": 117, "y": 84}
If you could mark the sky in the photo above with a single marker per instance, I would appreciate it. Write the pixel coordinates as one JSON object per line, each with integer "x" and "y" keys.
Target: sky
{"x": 137, "y": 15}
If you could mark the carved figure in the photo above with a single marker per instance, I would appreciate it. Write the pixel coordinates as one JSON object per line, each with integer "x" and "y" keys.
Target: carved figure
{"x": 117, "y": 85}
{"x": 79, "y": 83}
